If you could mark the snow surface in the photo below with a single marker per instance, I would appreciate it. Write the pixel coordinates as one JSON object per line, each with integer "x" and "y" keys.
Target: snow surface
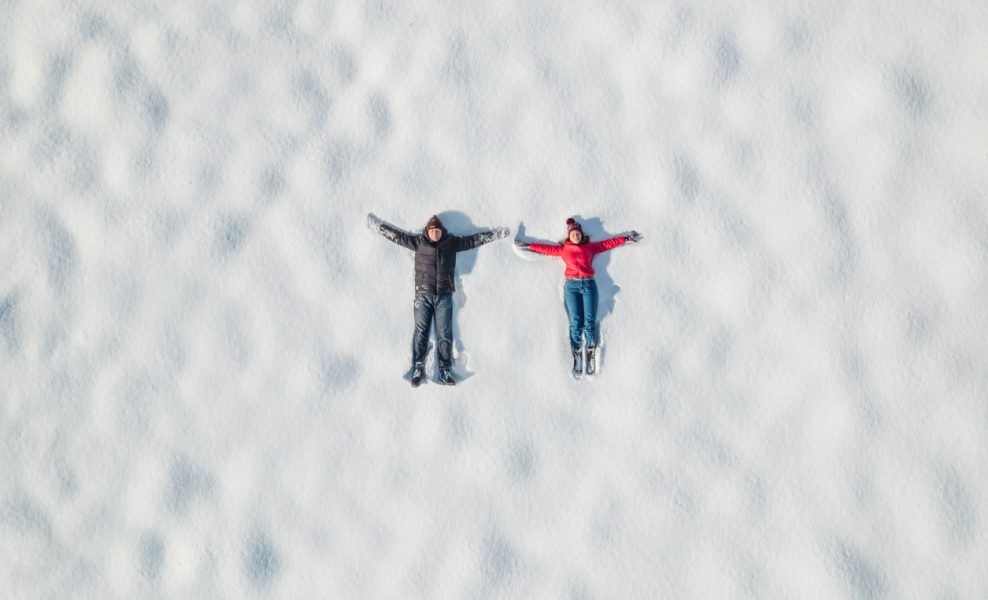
{"x": 202, "y": 347}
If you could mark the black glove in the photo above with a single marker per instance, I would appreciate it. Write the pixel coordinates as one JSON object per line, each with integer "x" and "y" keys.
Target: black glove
{"x": 633, "y": 237}
{"x": 522, "y": 245}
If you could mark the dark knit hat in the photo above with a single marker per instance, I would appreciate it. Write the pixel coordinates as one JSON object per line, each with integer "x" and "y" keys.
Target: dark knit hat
{"x": 434, "y": 222}
{"x": 571, "y": 224}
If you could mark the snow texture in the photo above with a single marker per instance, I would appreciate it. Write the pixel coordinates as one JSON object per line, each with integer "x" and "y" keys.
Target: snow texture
{"x": 202, "y": 346}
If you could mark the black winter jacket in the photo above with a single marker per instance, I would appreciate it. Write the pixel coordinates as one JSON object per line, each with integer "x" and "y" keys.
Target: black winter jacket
{"x": 435, "y": 263}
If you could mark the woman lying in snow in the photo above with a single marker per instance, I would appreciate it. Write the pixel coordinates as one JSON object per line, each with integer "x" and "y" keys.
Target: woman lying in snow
{"x": 435, "y": 262}
{"x": 580, "y": 290}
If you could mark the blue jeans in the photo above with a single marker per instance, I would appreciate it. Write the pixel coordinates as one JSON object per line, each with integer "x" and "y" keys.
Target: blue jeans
{"x": 580, "y": 296}
{"x": 429, "y": 308}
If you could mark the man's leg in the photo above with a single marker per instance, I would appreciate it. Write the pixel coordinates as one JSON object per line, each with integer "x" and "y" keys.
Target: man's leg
{"x": 424, "y": 309}
{"x": 444, "y": 330}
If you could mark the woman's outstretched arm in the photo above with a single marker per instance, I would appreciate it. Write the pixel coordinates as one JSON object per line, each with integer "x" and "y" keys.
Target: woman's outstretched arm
{"x": 547, "y": 249}
{"x": 614, "y": 242}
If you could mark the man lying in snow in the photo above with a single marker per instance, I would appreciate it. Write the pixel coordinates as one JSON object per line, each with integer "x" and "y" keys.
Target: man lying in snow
{"x": 435, "y": 260}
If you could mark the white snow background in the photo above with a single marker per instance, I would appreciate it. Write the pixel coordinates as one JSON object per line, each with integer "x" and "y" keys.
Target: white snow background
{"x": 203, "y": 348}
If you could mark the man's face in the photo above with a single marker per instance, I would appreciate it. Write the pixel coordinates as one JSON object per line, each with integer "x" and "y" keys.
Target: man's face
{"x": 435, "y": 234}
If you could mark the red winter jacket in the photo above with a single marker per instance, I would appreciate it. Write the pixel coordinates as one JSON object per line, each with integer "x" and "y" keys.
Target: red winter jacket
{"x": 578, "y": 257}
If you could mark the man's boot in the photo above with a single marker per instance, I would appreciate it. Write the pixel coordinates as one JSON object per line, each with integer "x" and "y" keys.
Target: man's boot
{"x": 418, "y": 374}
{"x": 446, "y": 378}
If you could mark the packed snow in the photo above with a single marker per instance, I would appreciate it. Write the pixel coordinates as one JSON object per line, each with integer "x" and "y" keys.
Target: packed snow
{"x": 204, "y": 350}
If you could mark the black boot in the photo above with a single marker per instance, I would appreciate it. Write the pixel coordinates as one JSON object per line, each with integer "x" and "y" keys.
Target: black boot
{"x": 446, "y": 378}
{"x": 418, "y": 374}
{"x": 591, "y": 361}
{"x": 577, "y": 363}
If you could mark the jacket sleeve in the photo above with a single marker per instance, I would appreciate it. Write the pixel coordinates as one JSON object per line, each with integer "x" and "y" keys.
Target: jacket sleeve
{"x": 392, "y": 233}
{"x": 547, "y": 249}
{"x": 469, "y": 242}
{"x": 606, "y": 245}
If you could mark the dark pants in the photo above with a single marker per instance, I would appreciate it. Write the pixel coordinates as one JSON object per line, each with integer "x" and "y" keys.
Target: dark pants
{"x": 429, "y": 307}
{"x": 580, "y": 296}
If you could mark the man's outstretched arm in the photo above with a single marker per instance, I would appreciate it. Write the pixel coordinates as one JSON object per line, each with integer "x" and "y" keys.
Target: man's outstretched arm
{"x": 392, "y": 233}
{"x": 469, "y": 242}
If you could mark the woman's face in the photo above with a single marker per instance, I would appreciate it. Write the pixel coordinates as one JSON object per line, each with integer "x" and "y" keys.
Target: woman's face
{"x": 575, "y": 236}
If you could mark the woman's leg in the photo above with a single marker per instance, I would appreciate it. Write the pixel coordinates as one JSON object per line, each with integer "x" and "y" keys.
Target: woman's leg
{"x": 590, "y": 312}
{"x": 572, "y": 296}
